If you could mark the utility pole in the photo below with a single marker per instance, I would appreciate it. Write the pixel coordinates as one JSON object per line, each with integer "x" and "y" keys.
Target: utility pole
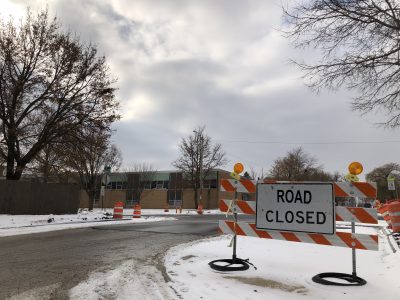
{"x": 199, "y": 143}
{"x": 201, "y": 169}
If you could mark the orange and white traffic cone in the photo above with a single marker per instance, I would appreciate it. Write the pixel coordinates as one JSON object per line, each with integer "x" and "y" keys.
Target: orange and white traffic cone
{"x": 200, "y": 209}
{"x": 137, "y": 211}
{"x": 118, "y": 210}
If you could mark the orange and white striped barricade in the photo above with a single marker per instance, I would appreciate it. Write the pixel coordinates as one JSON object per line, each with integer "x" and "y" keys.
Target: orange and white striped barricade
{"x": 137, "y": 211}
{"x": 384, "y": 211}
{"x": 166, "y": 208}
{"x": 200, "y": 209}
{"x": 343, "y": 213}
{"x": 118, "y": 210}
{"x": 342, "y": 189}
{"x": 394, "y": 214}
{"x": 234, "y": 185}
{"x": 340, "y": 239}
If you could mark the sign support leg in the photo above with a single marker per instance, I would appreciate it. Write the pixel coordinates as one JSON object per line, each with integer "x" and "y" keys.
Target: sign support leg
{"x": 234, "y": 239}
{"x": 353, "y": 250}
{"x": 353, "y": 279}
{"x": 234, "y": 264}
{"x": 235, "y": 219}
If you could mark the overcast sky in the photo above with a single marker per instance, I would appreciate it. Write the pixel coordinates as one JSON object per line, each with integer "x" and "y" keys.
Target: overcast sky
{"x": 222, "y": 64}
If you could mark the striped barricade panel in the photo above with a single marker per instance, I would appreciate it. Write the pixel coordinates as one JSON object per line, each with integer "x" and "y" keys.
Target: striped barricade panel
{"x": 355, "y": 189}
{"x": 384, "y": 211}
{"x": 349, "y": 214}
{"x": 340, "y": 239}
{"x": 342, "y": 189}
{"x": 241, "y": 186}
{"x": 357, "y": 214}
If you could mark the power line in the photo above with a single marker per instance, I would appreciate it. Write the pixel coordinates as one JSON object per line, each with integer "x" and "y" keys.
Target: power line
{"x": 310, "y": 143}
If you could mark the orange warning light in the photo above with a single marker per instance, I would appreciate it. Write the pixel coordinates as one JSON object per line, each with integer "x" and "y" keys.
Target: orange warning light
{"x": 355, "y": 168}
{"x": 238, "y": 168}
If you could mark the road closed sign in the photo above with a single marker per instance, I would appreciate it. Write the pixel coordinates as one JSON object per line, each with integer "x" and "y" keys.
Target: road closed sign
{"x": 305, "y": 207}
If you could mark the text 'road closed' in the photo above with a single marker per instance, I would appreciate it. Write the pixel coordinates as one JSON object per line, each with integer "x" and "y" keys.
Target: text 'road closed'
{"x": 296, "y": 207}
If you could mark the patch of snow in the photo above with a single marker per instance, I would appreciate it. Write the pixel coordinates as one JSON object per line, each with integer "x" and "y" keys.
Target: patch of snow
{"x": 131, "y": 280}
{"x": 284, "y": 270}
{"x": 26, "y": 224}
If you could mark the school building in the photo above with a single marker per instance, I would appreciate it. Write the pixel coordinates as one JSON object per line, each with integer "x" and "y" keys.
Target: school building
{"x": 160, "y": 189}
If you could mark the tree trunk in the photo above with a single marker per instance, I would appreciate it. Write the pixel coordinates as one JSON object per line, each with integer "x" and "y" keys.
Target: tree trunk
{"x": 14, "y": 174}
{"x": 91, "y": 195}
{"x": 196, "y": 195}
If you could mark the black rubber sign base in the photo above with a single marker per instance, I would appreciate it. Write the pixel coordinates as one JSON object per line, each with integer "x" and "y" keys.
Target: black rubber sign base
{"x": 230, "y": 264}
{"x": 352, "y": 280}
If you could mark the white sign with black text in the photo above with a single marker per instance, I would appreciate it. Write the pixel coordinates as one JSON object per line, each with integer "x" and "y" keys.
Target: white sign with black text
{"x": 303, "y": 207}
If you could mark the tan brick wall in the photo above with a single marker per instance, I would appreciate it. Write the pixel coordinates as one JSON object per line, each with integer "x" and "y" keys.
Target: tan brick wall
{"x": 158, "y": 198}
{"x": 153, "y": 199}
{"x": 83, "y": 199}
{"x": 209, "y": 198}
{"x": 188, "y": 198}
{"x": 111, "y": 196}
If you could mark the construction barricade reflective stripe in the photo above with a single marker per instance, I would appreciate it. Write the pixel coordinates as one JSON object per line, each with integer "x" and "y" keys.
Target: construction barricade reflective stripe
{"x": 349, "y": 214}
{"x": 118, "y": 210}
{"x": 357, "y": 214}
{"x": 394, "y": 215}
{"x": 384, "y": 211}
{"x": 137, "y": 211}
{"x": 241, "y": 186}
{"x": 355, "y": 189}
{"x": 342, "y": 189}
{"x": 340, "y": 239}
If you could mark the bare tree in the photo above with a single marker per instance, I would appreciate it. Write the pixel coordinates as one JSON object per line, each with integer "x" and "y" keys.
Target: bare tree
{"x": 88, "y": 154}
{"x": 256, "y": 174}
{"x": 380, "y": 175}
{"x": 50, "y": 84}
{"x": 198, "y": 156}
{"x": 48, "y": 164}
{"x": 138, "y": 177}
{"x": 298, "y": 166}
{"x": 360, "y": 46}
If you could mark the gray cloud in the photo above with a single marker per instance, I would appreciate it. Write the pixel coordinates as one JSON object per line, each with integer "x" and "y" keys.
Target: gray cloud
{"x": 222, "y": 64}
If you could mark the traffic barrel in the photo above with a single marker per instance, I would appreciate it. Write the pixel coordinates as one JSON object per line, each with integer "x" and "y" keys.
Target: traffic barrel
{"x": 200, "y": 209}
{"x": 394, "y": 214}
{"x": 118, "y": 210}
{"x": 384, "y": 211}
{"x": 137, "y": 211}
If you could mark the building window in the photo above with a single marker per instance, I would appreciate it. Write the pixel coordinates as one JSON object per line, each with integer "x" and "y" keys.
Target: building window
{"x": 116, "y": 185}
{"x": 175, "y": 198}
{"x": 147, "y": 185}
{"x": 156, "y": 185}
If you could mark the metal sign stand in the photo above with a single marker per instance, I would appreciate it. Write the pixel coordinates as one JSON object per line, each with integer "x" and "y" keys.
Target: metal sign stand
{"x": 235, "y": 220}
{"x": 235, "y": 263}
{"x": 353, "y": 251}
{"x": 352, "y": 280}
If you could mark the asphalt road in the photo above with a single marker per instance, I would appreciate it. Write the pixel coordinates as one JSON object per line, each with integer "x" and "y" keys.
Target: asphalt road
{"x": 48, "y": 265}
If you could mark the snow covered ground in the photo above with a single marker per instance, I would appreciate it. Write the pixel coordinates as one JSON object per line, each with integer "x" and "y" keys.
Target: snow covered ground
{"x": 25, "y": 224}
{"x": 284, "y": 270}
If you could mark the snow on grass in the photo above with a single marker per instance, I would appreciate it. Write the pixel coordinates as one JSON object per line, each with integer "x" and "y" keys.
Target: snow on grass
{"x": 284, "y": 270}
{"x": 171, "y": 211}
{"x": 26, "y": 224}
{"x": 129, "y": 281}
